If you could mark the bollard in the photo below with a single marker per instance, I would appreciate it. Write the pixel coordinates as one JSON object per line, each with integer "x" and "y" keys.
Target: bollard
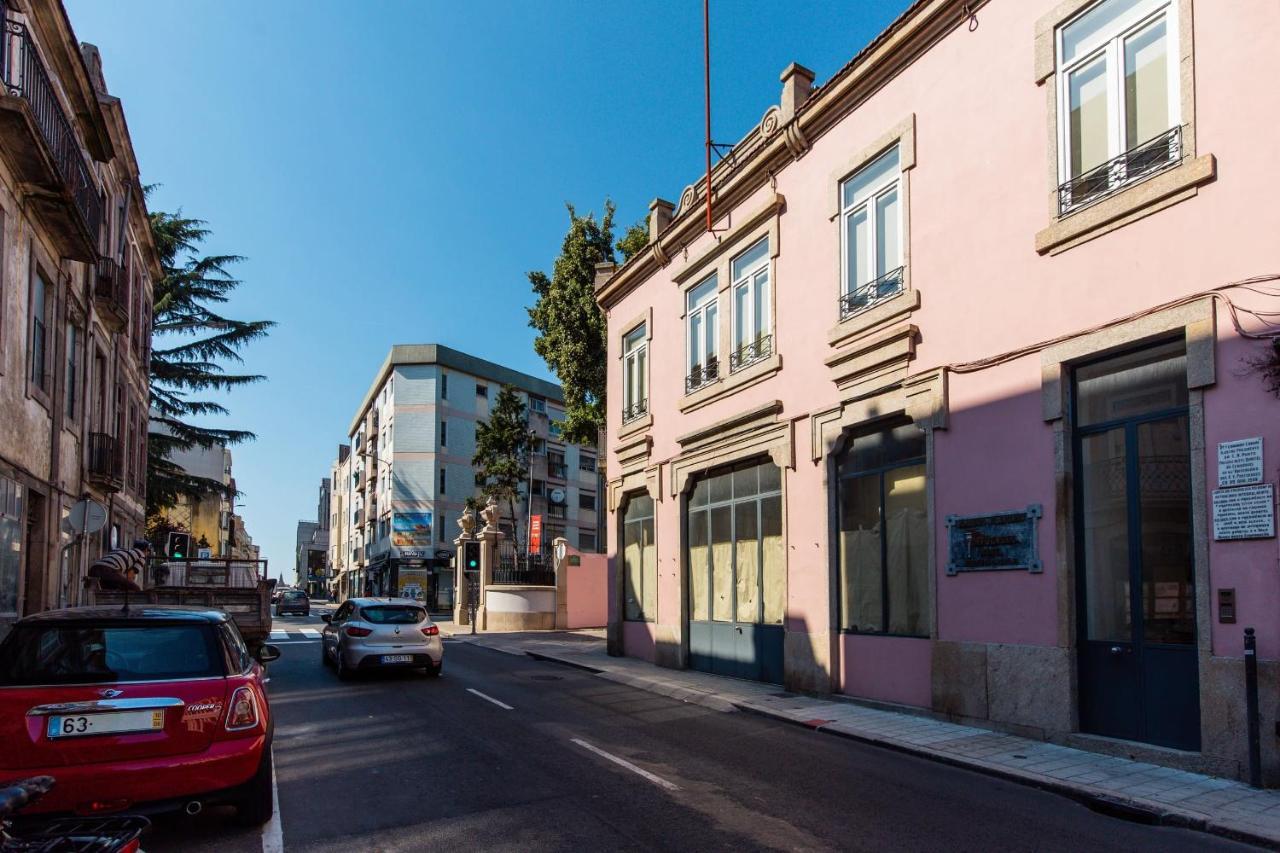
{"x": 1251, "y": 707}
{"x": 473, "y": 593}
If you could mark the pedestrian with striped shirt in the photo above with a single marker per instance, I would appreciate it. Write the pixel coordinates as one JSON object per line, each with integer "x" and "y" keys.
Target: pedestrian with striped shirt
{"x": 119, "y": 568}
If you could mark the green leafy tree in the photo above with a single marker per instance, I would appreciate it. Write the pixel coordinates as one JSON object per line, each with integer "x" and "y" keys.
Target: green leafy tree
{"x": 572, "y": 334}
{"x": 636, "y": 238}
{"x": 503, "y": 443}
{"x": 193, "y": 343}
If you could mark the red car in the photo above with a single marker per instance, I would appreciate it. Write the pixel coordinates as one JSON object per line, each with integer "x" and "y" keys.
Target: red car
{"x": 145, "y": 709}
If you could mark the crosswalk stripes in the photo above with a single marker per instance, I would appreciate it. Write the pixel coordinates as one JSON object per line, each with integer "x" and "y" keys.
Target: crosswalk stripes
{"x": 295, "y": 635}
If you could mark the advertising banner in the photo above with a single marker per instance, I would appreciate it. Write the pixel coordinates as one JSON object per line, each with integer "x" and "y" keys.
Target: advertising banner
{"x": 411, "y": 529}
{"x": 412, "y": 583}
{"x": 535, "y": 534}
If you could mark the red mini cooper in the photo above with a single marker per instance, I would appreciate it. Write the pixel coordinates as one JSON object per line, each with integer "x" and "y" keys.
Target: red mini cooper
{"x": 145, "y": 709}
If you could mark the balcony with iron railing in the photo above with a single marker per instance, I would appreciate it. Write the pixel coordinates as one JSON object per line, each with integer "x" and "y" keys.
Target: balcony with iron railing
{"x": 104, "y": 463}
{"x": 638, "y": 409}
{"x": 751, "y": 352}
{"x": 42, "y": 148}
{"x": 1142, "y": 161}
{"x": 866, "y": 295}
{"x": 702, "y": 375}
{"x": 111, "y": 293}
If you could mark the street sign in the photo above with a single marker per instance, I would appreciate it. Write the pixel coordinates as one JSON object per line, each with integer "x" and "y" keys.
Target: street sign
{"x": 86, "y": 516}
{"x": 204, "y": 553}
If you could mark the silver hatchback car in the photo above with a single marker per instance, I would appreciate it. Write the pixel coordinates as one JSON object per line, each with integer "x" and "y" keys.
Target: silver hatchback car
{"x": 381, "y": 633}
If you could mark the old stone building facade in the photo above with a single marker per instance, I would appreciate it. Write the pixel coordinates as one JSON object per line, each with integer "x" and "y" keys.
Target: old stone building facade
{"x": 76, "y": 265}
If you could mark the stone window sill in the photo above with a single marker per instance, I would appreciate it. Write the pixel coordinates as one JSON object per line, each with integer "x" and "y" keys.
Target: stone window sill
{"x": 1133, "y": 203}
{"x": 732, "y": 383}
{"x": 638, "y": 425}
{"x": 881, "y": 313}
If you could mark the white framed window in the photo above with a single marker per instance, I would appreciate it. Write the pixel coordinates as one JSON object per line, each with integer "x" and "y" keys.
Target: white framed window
{"x": 752, "y": 309}
{"x": 635, "y": 374}
{"x": 537, "y": 404}
{"x": 555, "y": 428}
{"x": 1119, "y": 106}
{"x": 871, "y": 233}
{"x": 702, "y": 337}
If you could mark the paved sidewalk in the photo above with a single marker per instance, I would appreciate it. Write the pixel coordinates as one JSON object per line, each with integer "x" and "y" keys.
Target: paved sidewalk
{"x": 1137, "y": 789}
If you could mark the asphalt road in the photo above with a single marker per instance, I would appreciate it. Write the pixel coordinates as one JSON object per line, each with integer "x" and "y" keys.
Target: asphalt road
{"x": 574, "y": 762}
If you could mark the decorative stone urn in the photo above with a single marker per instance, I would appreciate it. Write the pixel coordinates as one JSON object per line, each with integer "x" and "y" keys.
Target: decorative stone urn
{"x": 467, "y": 523}
{"x": 490, "y": 516}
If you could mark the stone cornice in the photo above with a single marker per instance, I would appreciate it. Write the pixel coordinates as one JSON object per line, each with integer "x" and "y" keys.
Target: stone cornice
{"x": 772, "y": 144}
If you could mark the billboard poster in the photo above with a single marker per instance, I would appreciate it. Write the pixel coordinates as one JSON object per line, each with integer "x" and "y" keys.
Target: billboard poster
{"x": 411, "y": 529}
{"x": 412, "y": 583}
{"x": 535, "y": 534}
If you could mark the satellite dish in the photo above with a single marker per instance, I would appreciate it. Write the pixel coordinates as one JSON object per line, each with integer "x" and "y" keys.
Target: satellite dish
{"x": 86, "y": 516}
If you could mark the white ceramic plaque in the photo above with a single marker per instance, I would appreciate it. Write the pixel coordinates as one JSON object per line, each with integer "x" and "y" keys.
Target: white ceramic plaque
{"x": 1245, "y": 512}
{"x": 1240, "y": 462}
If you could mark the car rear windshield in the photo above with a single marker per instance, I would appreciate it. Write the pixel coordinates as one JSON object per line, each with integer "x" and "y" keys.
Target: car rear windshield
{"x": 78, "y": 654}
{"x": 390, "y": 614}
{"x": 295, "y": 596}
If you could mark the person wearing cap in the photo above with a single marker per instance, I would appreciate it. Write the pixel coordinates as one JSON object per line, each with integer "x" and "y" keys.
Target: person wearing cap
{"x": 119, "y": 568}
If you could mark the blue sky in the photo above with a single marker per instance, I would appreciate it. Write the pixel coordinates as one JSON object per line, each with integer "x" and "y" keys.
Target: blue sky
{"x": 392, "y": 169}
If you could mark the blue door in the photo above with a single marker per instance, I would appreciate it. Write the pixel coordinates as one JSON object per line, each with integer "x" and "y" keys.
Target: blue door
{"x": 1138, "y": 663}
{"x": 737, "y": 573}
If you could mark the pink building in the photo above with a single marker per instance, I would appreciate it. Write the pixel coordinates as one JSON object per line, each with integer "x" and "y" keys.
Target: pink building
{"x": 934, "y": 418}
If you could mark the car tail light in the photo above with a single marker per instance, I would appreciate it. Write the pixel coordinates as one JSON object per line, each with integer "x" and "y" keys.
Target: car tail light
{"x": 243, "y": 713}
{"x": 431, "y": 630}
{"x": 353, "y": 631}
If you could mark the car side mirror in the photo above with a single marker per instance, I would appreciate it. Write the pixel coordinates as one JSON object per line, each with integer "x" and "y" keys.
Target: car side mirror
{"x": 267, "y": 653}
{"x": 326, "y": 617}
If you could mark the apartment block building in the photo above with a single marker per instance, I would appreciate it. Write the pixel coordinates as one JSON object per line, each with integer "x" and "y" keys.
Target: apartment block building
{"x": 340, "y": 580}
{"x": 412, "y": 440}
{"x": 957, "y": 407}
{"x": 76, "y": 267}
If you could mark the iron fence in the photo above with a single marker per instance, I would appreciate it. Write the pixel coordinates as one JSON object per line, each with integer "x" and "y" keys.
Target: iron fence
{"x": 519, "y": 567}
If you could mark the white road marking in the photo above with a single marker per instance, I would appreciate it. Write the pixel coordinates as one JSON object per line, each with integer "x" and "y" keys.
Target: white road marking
{"x": 490, "y": 699}
{"x": 622, "y": 762}
{"x": 311, "y": 633}
{"x": 279, "y": 635}
{"x": 273, "y": 832}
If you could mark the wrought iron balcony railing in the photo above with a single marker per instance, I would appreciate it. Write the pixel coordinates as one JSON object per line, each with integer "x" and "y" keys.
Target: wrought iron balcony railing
{"x": 864, "y": 296}
{"x": 25, "y": 77}
{"x": 748, "y": 354}
{"x": 1154, "y": 155}
{"x": 702, "y": 374}
{"x": 104, "y": 459}
{"x": 638, "y": 409}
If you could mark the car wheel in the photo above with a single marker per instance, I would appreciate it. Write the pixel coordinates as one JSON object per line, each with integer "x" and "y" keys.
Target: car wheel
{"x": 344, "y": 673}
{"x": 257, "y": 805}
{"x": 433, "y": 671}
{"x": 324, "y": 655}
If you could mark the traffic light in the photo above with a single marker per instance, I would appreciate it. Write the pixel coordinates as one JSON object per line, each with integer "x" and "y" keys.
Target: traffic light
{"x": 471, "y": 556}
{"x": 178, "y": 546}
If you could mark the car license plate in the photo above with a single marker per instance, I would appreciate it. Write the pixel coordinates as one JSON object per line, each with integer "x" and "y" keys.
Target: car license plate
{"x": 397, "y": 658}
{"x": 78, "y": 725}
